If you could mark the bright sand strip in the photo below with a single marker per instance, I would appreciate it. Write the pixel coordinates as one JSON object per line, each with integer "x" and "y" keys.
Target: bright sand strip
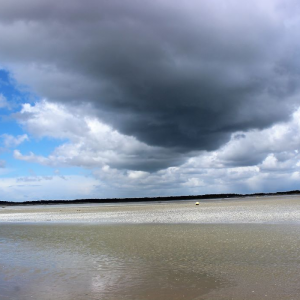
{"x": 284, "y": 209}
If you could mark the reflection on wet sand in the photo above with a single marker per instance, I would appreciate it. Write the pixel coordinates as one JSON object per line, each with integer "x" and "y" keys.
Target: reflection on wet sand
{"x": 161, "y": 261}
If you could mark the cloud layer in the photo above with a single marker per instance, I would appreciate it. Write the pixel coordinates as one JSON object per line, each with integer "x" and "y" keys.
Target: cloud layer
{"x": 173, "y": 97}
{"x": 182, "y": 76}
{"x": 259, "y": 160}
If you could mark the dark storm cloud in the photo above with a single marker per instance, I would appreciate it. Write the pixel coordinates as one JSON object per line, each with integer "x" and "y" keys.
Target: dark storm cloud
{"x": 181, "y": 75}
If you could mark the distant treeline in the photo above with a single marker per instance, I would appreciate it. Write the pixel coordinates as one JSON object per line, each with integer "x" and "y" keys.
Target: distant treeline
{"x": 145, "y": 199}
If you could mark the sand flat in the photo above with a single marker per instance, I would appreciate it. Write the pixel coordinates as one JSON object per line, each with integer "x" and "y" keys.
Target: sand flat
{"x": 237, "y": 210}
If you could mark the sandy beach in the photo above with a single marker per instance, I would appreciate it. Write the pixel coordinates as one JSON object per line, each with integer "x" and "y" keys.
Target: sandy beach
{"x": 238, "y": 210}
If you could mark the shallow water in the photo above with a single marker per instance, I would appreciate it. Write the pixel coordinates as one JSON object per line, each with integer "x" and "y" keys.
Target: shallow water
{"x": 144, "y": 261}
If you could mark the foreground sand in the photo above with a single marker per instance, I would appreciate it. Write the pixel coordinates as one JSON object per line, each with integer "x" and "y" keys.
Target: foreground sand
{"x": 149, "y": 261}
{"x": 238, "y": 210}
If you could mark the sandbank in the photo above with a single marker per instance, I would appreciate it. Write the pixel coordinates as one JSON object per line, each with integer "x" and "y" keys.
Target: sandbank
{"x": 274, "y": 209}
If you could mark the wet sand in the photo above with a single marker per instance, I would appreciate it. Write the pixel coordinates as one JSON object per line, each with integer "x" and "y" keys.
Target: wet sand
{"x": 234, "y": 249}
{"x": 146, "y": 261}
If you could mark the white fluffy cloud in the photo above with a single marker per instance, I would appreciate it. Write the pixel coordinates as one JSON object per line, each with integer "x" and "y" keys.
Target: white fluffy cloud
{"x": 10, "y": 141}
{"x": 89, "y": 142}
{"x": 253, "y": 161}
{"x": 275, "y": 148}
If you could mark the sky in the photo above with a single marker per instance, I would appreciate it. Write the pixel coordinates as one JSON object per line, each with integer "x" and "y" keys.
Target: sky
{"x": 128, "y": 98}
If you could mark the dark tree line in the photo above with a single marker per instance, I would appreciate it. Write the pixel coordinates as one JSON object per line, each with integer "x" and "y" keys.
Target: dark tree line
{"x": 145, "y": 199}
